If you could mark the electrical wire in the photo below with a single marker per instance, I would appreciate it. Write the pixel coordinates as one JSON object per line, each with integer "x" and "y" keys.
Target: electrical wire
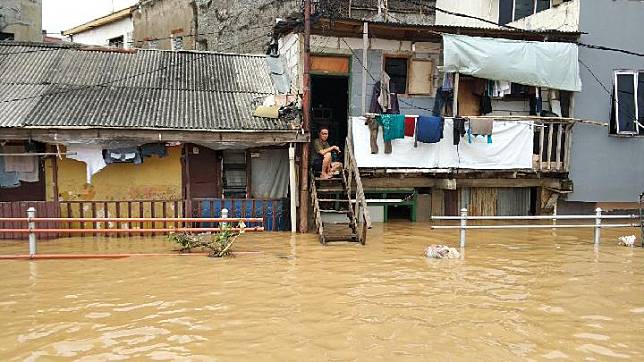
{"x": 172, "y": 65}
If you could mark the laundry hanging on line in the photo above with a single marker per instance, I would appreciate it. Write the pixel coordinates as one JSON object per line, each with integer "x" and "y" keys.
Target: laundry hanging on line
{"x": 393, "y": 126}
{"x": 429, "y": 129}
{"x": 91, "y": 155}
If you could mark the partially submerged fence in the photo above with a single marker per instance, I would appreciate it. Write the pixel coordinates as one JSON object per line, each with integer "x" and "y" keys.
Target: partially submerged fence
{"x": 29, "y": 225}
{"x": 597, "y": 225}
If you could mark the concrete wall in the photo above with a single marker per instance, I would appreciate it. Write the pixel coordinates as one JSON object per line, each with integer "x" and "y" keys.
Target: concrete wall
{"x": 155, "y": 179}
{"x": 159, "y": 19}
{"x": 241, "y": 26}
{"x": 486, "y": 9}
{"x": 378, "y": 48}
{"x": 23, "y": 18}
{"x": 606, "y": 168}
{"x": 564, "y": 17}
{"x": 102, "y": 34}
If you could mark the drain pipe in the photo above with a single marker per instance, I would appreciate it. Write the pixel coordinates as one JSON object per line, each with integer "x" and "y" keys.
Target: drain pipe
{"x": 31, "y": 213}
{"x": 293, "y": 187}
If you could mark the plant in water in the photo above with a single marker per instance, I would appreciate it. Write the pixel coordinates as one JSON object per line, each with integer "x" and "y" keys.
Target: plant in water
{"x": 218, "y": 244}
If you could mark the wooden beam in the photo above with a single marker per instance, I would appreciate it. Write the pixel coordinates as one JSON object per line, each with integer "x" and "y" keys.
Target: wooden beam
{"x": 62, "y": 135}
{"x": 414, "y": 182}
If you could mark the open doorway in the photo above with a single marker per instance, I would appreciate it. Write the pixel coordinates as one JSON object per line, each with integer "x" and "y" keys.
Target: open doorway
{"x": 330, "y": 107}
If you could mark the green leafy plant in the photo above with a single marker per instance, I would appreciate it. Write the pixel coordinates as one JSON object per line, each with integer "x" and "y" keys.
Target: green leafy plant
{"x": 218, "y": 244}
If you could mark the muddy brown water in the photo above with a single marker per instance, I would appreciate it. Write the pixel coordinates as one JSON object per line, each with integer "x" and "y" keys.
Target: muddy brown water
{"x": 516, "y": 295}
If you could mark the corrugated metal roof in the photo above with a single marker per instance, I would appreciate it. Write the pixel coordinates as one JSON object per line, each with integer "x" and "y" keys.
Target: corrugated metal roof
{"x": 58, "y": 86}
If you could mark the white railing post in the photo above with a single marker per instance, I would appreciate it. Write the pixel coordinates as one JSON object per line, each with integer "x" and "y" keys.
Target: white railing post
{"x": 598, "y": 225}
{"x": 224, "y": 215}
{"x": 31, "y": 213}
{"x": 463, "y": 225}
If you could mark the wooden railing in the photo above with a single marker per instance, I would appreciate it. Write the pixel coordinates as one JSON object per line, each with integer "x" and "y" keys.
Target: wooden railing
{"x": 554, "y": 141}
{"x": 316, "y": 208}
{"x": 352, "y": 173}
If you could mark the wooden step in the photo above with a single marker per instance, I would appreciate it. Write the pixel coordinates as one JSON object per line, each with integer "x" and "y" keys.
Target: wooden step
{"x": 335, "y": 200}
{"x": 333, "y": 179}
{"x": 331, "y": 211}
{"x": 337, "y": 189}
{"x": 338, "y": 237}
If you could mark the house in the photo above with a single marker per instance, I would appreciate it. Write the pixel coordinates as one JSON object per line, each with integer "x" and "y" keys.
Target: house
{"x": 606, "y": 164}
{"x": 113, "y": 30}
{"x": 349, "y": 56}
{"x": 92, "y": 132}
{"x": 21, "y": 20}
{"x": 167, "y": 24}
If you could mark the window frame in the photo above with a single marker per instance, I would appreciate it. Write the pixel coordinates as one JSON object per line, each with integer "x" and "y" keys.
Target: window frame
{"x": 535, "y": 6}
{"x": 407, "y": 57}
{"x": 638, "y": 129}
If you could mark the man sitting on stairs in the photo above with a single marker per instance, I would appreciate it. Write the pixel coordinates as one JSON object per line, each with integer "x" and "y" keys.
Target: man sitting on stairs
{"x": 322, "y": 156}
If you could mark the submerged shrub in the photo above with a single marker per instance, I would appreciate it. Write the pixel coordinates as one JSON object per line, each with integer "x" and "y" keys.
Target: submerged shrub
{"x": 218, "y": 244}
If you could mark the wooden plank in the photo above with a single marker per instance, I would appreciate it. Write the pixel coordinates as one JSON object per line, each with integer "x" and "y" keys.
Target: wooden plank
{"x": 559, "y": 146}
{"x": 482, "y": 201}
{"x": 551, "y": 131}
{"x": 420, "y": 76}
{"x": 542, "y": 131}
{"x": 330, "y": 64}
{"x": 141, "y": 225}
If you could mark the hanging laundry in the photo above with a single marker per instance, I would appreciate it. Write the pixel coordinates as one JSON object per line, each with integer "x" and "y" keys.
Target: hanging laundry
{"x": 481, "y": 127}
{"x": 7, "y": 179}
{"x": 410, "y": 126}
{"x": 429, "y": 129}
{"x": 373, "y": 134}
{"x": 471, "y": 136}
{"x": 501, "y": 89}
{"x": 393, "y": 126}
{"x": 383, "y": 98}
{"x": 375, "y": 107}
{"x": 33, "y": 176}
{"x": 441, "y": 98}
{"x": 536, "y": 106}
{"x": 123, "y": 155}
{"x": 486, "y": 104}
{"x": 18, "y": 163}
{"x": 91, "y": 155}
{"x": 150, "y": 149}
{"x": 448, "y": 82}
{"x": 459, "y": 130}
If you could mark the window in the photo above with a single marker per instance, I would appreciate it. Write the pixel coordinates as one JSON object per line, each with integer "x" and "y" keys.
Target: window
{"x": 116, "y": 42}
{"x": 177, "y": 42}
{"x": 628, "y": 103}
{"x": 396, "y": 68}
{"x": 234, "y": 175}
{"x": 511, "y": 10}
{"x": 6, "y": 36}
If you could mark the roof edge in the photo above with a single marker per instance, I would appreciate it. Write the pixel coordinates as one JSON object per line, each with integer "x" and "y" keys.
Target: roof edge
{"x": 107, "y": 19}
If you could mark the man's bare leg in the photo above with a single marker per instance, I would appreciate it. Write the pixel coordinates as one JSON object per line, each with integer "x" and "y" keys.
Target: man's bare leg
{"x": 326, "y": 167}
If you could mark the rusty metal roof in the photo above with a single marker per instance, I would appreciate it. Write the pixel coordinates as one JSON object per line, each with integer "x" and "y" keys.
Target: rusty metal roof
{"x": 58, "y": 86}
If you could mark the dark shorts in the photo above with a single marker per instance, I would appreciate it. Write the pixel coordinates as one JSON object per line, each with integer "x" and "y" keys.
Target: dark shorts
{"x": 317, "y": 164}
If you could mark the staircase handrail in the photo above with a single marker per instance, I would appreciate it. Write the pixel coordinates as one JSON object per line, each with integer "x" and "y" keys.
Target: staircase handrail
{"x": 316, "y": 206}
{"x": 352, "y": 166}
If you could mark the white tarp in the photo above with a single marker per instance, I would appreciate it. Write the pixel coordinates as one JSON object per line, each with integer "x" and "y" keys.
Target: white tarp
{"x": 511, "y": 148}
{"x": 540, "y": 64}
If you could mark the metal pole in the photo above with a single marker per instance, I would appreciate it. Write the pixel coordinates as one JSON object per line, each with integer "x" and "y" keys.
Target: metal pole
{"x": 463, "y": 225}
{"x": 31, "y": 213}
{"x": 293, "y": 187}
{"x": 598, "y": 225}
{"x": 224, "y": 215}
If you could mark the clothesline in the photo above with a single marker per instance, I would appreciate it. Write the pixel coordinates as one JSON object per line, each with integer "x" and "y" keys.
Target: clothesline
{"x": 27, "y": 154}
{"x": 522, "y": 118}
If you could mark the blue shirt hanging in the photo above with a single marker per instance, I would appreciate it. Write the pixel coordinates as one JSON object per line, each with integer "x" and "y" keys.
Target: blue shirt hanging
{"x": 429, "y": 129}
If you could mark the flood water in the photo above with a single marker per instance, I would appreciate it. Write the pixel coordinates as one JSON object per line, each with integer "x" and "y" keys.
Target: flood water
{"x": 516, "y": 295}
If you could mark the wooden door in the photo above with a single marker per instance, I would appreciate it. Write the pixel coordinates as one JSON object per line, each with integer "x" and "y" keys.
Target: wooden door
{"x": 202, "y": 172}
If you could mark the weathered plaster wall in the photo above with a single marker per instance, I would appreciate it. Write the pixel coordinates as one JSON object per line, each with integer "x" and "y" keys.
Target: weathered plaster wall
{"x": 159, "y": 19}
{"x": 606, "y": 168}
{"x": 23, "y": 18}
{"x": 486, "y": 9}
{"x": 564, "y": 17}
{"x": 241, "y": 26}
{"x": 102, "y": 34}
{"x": 155, "y": 179}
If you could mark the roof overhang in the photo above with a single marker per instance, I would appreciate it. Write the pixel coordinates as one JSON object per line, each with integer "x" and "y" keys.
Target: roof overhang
{"x": 113, "y": 17}
{"x": 351, "y": 28}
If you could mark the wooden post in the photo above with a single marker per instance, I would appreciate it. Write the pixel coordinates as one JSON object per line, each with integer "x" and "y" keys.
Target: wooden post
{"x": 306, "y": 113}
{"x": 559, "y": 163}
{"x": 457, "y": 79}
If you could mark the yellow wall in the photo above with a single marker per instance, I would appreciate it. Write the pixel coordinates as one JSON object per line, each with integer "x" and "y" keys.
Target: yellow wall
{"x": 155, "y": 179}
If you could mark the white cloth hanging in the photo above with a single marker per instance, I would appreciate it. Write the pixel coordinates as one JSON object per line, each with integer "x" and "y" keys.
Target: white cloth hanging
{"x": 91, "y": 155}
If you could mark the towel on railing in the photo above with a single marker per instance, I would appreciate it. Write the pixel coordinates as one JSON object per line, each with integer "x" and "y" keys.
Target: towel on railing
{"x": 393, "y": 126}
{"x": 410, "y": 126}
{"x": 429, "y": 129}
{"x": 482, "y": 127}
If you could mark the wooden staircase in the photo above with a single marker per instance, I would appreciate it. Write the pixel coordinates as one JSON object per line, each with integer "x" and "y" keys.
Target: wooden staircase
{"x": 339, "y": 205}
